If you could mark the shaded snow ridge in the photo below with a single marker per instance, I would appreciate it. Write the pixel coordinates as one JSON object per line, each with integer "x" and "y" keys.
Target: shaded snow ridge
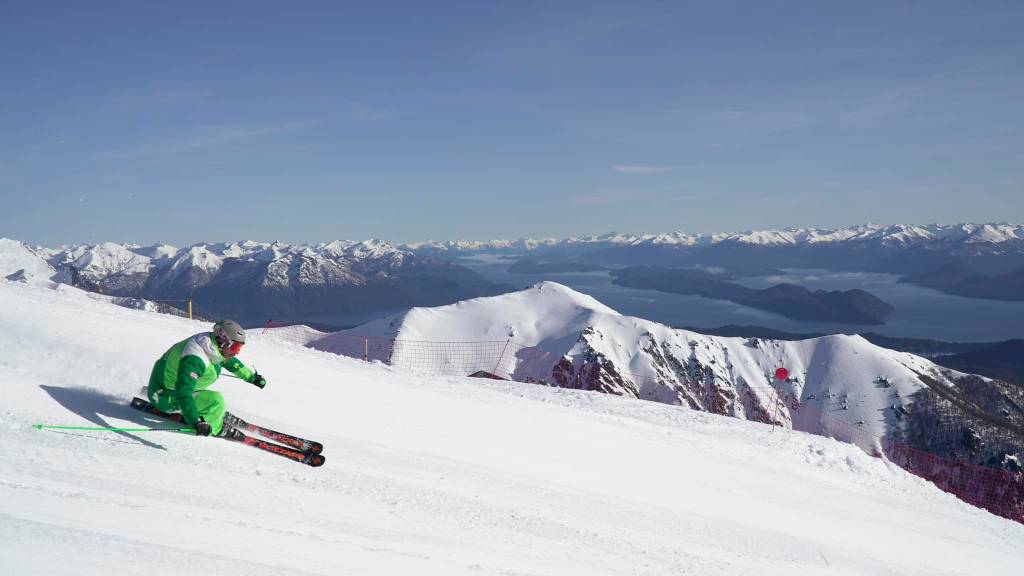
{"x": 569, "y": 339}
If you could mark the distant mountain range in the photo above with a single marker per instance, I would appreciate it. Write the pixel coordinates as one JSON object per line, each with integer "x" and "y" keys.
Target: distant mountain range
{"x": 894, "y": 236}
{"x": 928, "y": 254}
{"x": 345, "y": 282}
{"x": 339, "y": 282}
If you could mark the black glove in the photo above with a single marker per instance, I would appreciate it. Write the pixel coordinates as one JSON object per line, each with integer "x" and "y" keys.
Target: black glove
{"x": 258, "y": 380}
{"x": 203, "y": 428}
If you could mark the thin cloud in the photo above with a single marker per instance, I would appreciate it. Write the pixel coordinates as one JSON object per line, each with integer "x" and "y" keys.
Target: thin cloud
{"x": 879, "y": 107}
{"x": 615, "y": 196}
{"x": 611, "y": 197}
{"x": 640, "y": 169}
{"x": 156, "y": 99}
{"x": 369, "y": 113}
{"x": 209, "y": 138}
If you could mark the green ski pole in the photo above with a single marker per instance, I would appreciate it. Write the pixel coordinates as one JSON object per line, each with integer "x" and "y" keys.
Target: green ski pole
{"x": 105, "y": 429}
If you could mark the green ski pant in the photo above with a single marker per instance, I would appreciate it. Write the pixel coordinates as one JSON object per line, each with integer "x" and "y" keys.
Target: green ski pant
{"x": 210, "y": 404}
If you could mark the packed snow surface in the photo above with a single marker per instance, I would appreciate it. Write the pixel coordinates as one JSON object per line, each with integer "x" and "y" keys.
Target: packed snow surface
{"x": 424, "y": 475}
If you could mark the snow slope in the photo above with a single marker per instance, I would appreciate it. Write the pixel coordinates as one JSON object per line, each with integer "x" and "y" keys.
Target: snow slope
{"x": 18, "y": 259}
{"x": 439, "y": 476}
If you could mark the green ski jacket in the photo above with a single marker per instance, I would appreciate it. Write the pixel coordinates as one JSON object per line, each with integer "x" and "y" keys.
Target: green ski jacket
{"x": 192, "y": 365}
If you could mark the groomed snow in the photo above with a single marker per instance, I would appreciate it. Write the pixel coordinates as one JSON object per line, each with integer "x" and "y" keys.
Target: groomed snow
{"x": 439, "y": 476}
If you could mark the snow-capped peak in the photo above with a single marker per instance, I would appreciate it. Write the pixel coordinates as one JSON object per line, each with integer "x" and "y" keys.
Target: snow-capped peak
{"x": 269, "y": 253}
{"x": 995, "y": 233}
{"x": 897, "y": 235}
{"x": 545, "y": 311}
{"x": 156, "y": 252}
{"x": 197, "y": 257}
{"x": 370, "y": 249}
{"x": 336, "y": 248}
{"x": 768, "y": 237}
{"x": 109, "y": 258}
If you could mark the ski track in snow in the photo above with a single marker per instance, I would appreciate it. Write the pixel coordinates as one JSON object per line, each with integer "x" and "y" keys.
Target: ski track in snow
{"x": 429, "y": 475}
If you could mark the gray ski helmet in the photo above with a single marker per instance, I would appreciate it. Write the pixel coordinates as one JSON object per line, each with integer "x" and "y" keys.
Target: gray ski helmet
{"x": 229, "y": 331}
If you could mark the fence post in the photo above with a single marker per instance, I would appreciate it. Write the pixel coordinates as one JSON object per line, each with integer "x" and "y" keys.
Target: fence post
{"x": 366, "y": 349}
{"x": 500, "y": 356}
{"x": 190, "y": 309}
{"x": 778, "y": 392}
{"x": 775, "y": 392}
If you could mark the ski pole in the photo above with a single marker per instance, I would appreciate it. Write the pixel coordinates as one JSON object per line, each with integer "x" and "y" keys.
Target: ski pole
{"x": 106, "y": 429}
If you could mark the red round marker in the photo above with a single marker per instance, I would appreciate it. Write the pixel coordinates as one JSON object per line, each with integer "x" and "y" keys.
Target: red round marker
{"x": 781, "y": 374}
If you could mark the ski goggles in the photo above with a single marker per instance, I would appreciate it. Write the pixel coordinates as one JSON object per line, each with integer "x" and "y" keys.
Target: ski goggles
{"x": 234, "y": 347}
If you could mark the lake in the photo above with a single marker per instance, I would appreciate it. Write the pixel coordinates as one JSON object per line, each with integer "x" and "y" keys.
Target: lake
{"x": 920, "y": 312}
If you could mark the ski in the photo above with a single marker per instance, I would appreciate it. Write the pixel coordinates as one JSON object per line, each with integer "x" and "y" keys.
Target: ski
{"x": 290, "y": 453}
{"x": 280, "y": 437}
{"x": 234, "y": 434}
{"x": 233, "y": 421}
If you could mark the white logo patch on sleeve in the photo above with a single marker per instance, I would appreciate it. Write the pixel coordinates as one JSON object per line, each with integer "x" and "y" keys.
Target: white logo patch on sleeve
{"x": 194, "y": 375}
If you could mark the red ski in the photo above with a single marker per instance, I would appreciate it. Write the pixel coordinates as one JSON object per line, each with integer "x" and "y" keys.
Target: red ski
{"x": 280, "y": 437}
{"x": 290, "y": 453}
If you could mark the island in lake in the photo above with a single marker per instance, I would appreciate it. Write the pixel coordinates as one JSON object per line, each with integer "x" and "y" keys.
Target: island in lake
{"x": 790, "y": 300}
{"x": 960, "y": 279}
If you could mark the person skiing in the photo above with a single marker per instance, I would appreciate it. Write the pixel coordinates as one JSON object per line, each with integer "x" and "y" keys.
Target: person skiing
{"x": 182, "y": 375}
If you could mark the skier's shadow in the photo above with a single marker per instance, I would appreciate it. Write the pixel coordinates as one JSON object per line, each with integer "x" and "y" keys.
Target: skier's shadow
{"x": 93, "y": 405}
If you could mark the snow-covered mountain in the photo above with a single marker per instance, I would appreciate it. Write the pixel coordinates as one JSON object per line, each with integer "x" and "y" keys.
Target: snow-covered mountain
{"x": 520, "y": 245}
{"x": 897, "y": 234}
{"x": 839, "y": 386}
{"x": 430, "y": 475}
{"x": 255, "y": 281}
{"x": 900, "y": 249}
{"x": 102, "y": 263}
{"x": 22, "y": 264}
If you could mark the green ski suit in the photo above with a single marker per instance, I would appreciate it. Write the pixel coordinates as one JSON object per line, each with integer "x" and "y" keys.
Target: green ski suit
{"x": 182, "y": 375}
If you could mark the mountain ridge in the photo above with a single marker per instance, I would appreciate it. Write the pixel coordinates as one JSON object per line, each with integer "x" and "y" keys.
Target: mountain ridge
{"x": 922, "y": 254}
{"x": 254, "y": 281}
{"x": 896, "y": 234}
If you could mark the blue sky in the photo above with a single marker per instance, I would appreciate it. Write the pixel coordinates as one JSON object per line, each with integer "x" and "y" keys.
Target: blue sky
{"x": 307, "y": 122}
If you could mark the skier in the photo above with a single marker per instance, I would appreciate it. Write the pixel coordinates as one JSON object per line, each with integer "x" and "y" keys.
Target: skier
{"x": 182, "y": 375}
